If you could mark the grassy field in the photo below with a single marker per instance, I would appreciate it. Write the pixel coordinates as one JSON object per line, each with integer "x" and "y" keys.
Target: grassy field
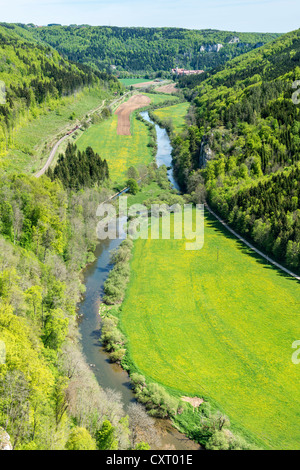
{"x": 158, "y": 98}
{"x": 176, "y": 114}
{"x": 134, "y": 81}
{"x": 120, "y": 151}
{"x": 218, "y": 323}
{"x": 33, "y": 141}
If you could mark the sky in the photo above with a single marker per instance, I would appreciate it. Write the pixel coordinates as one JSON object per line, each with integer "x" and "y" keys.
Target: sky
{"x": 232, "y": 15}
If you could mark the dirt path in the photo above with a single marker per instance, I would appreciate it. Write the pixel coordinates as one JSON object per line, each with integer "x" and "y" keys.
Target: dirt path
{"x": 124, "y": 111}
{"x": 56, "y": 146}
{"x": 251, "y": 246}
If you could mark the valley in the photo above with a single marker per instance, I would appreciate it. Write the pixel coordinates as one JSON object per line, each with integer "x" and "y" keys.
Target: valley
{"x": 142, "y": 344}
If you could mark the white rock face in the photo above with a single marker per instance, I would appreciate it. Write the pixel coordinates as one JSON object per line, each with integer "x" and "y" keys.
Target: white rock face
{"x": 211, "y": 47}
{"x": 234, "y": 40}
{"x": 5, "y": 443}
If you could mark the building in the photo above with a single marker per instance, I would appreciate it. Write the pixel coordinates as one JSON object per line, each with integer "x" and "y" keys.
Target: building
{"x": 181, "y": 72}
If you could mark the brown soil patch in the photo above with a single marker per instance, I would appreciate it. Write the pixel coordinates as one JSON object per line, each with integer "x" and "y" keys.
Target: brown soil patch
{"x": 171, "y": 88}
{"x": 123, "y": 112}
{"x": 144, "y": 84}
{"x": 195, "y": 402}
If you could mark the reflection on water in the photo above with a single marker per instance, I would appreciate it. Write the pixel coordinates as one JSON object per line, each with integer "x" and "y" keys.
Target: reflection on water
{"x": 164, "y": 149}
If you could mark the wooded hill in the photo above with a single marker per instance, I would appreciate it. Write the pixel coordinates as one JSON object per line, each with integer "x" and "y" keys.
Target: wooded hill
{"x": 49, "y": 398}
{"x": 245, "y": 138}
{"x": 35, "y": 75}
{"x": 147, "y": 50}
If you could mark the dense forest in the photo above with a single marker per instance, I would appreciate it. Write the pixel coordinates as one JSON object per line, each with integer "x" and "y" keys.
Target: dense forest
{"x": 49, "y": 397}
{"x": 36, "y": 76}
{"x": 245, "y": 139}
{"x": 146, "y": 50}
{"x": 78, "y": 170}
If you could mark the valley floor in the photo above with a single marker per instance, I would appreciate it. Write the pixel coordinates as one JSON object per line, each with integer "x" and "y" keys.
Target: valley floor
{"x": 219, "y": 324}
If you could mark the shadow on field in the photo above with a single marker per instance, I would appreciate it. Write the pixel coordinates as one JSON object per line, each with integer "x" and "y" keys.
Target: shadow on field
{"x": 218, "y": 227}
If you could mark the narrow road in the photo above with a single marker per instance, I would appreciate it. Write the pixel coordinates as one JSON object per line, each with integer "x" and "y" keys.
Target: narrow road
{"x": 251, "y": 246}
{"x": 51, "y": 156}
{"x": 55, "y": 148}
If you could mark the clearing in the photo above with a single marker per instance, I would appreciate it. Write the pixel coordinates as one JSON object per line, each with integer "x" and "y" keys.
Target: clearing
{"x": 124, "y": 111}
{"x": 176, "y": 113}
{"x": 219, "y": 324}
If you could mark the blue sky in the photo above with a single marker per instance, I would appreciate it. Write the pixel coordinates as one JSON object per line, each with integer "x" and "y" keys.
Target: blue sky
{"x": 233, "y": 15}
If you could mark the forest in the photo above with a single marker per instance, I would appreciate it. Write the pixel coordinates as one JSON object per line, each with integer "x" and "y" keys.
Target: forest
{"x": 49, "y": 397}
{"x": 242, "y": 150}
{"x": 146, "y": 50}
{"x": 78, "y": 170}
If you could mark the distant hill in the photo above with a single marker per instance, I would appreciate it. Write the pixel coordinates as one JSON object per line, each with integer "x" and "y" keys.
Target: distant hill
{"x": 148, "y": 49}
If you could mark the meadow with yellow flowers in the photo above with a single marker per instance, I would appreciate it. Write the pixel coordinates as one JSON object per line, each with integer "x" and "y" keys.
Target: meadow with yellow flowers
{"x": 120, "y": 151}
{"x": 218, "y": 323}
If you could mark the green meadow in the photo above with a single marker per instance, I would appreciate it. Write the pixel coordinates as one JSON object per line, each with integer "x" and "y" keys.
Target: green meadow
{"x": 176, "y": 114}
{"x": 158, "y": 98}
{"x": 120, "y": 151}
{"x": 218, "y": 323}
{"x": 134, "y": 81}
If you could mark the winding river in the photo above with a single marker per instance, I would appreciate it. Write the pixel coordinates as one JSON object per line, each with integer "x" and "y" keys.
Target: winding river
{"x": 111, "y": 375}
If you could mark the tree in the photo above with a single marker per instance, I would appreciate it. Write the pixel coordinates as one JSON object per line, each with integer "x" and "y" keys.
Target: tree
{"x": 133, "y": 186}
{"x": 105, "y": 437}
{"x": 142, "y": 446}
{"x": 218, "y": 441}
{"x": 133, "y": 173}
{"x": 141, "y": 426}
{"x": 56, "y": 329}
{"x": 80, "y": 439}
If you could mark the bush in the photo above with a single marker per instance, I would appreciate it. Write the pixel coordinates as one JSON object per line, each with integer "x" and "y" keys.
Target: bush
{"x": 133, "y": 186}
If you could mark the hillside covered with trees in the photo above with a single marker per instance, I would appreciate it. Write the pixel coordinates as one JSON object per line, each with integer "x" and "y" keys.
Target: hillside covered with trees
{"x": 35, "y": 77}
{"x": 245, "y": 139}
{"x": 148, "y": 50}
{"x": 49, "y": 397}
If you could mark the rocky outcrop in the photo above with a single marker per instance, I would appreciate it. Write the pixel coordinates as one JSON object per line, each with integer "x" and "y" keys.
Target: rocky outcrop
{"x": 211, "y": 47}
{"x": 5, "y": 443}
{"x": 234, "y": 40}
{"x": 206, "y": 152}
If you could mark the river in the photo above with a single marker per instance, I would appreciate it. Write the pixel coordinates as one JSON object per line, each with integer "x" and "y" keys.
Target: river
{"x": 111, "y": 375}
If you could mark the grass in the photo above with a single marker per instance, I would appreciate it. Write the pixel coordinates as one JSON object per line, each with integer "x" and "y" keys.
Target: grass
{"x": 158, "y": 98}
{"x": 176, "y": 114}
{"x": 134, "y": 81}
{"x": 33, "y": 141}
{"x": 120, "y": 151}
{"x": 151, "y": 190}
{"x": 219, "y": 326}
